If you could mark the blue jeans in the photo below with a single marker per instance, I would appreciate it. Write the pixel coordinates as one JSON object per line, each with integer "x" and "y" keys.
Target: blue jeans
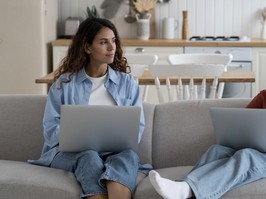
{"x": 93, "y": 169}
{"x": 222, "y": 169}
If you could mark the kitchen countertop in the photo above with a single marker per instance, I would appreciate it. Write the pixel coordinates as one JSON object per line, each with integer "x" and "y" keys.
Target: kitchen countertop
{"x": 178, "y": 43}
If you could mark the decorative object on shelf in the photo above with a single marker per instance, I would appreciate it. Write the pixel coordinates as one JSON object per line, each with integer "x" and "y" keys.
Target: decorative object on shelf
{"x": 144, "y": 7}
{"x": 143, "y": 26}
{"x": 263, "y": 23}
{"x": 185, "y": 34}
{"x": 110, "y": 8}
{"x": 170, "y": 25}
{"x": 143, "y": 16}
{"x": 130, "y": 17}
{"x": 92, "y": 12}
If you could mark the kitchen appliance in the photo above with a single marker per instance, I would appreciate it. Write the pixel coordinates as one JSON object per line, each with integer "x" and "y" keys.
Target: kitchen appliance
{"x": 211, "y": 38}
{"x": 242, "y": 62}
{"x": 27, "y": 29}
{"x": 71, "y": 26}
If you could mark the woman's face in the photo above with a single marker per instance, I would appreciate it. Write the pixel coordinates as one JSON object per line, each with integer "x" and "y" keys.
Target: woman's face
{"x": 102, "y": 50}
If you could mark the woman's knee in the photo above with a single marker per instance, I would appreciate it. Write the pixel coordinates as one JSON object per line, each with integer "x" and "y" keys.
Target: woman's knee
{"x": 217, "y": 148}
{"x": 90, "y": 157}
{"x": 246, "y": 152}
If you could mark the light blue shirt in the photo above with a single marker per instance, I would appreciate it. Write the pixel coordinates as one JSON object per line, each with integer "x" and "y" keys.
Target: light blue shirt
{"x": 121, "y": 86}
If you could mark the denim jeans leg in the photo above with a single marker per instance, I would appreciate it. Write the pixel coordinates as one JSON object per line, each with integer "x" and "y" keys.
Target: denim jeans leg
{"x": 87, "y": 167}
{"x": 214, "y": 153}
{"x": 122, "y": 168}
{"x": 215, "y": 178}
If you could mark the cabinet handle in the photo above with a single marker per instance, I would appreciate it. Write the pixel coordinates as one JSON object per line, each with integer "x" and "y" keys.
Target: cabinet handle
{"x": 139, "y": 50}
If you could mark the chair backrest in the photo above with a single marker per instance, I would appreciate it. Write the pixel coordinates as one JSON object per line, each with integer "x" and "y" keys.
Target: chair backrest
{"x": 138, "y": 63}
{"x": 200, "y": 58}
{"x": 191, "y": 65}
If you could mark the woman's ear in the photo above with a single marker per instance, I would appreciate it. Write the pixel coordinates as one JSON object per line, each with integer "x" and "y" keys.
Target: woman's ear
{"x": 87, "y": 48}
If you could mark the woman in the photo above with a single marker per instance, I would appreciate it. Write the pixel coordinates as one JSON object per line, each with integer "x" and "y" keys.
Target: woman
{"x": 219, "y": 170}
{"x": 93, "y": 72}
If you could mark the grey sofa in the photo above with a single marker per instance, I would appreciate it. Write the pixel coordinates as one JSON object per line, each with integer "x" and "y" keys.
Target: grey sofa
{"x": 176, "y": 134}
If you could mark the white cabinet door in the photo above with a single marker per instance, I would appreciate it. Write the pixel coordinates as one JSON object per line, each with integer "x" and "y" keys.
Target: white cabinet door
{"x": 161, "y": 52}
{"x": 59, "y": 52}
{"x": 259, "y": 68}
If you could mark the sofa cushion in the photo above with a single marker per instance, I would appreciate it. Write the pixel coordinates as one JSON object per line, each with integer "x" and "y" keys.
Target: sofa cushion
{"x": 21, "y": 126}
{"x": 250, "y": 191}
{"x": 183, "y": 131}
{"x": 145, "y": 145}
{"x": 23, "y": 180}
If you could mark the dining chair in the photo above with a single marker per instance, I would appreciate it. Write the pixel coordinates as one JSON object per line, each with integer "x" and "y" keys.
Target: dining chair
{"x": 192, "y": 66}
{"x": 138, "y": 63}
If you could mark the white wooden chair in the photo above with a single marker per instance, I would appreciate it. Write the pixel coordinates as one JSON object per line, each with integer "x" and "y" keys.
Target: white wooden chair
{"x": 138, "y": 63}
{"x": 191, "y": 66}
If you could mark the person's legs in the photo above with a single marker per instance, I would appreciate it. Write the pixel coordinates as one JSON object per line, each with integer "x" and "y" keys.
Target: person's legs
{"x": 87, "y": 167}
{"x": 214, "y": 153}
{"x": 121, "y": 174}
{"x": 178, "y": 190}
{"x": 169, "y": 189}
{"x": 212, "y": 178}
{"x": 217, "y": 177}
{"x": 97, "y": 197}
{"x": 117, "y": 190}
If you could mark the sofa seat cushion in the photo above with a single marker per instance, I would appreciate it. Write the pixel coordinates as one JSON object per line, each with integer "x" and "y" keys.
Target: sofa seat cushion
{"x": 23, "y": 180}
{"x": 146, "y": 191}
{"x": 253, "y": 190}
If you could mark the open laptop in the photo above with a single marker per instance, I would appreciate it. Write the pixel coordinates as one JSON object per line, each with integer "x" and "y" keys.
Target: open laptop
{"x": 99, "y": 127}
{"x": 240, "y": 127}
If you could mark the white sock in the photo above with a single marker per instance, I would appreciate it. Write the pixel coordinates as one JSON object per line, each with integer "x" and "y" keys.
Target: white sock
{"x": 169, "y": 189}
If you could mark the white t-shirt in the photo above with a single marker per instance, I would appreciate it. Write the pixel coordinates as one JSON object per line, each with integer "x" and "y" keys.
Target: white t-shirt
{"x": 99, "y": 94}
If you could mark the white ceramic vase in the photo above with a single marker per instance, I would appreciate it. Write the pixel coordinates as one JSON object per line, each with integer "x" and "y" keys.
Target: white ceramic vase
{"x": 143, "y": 26}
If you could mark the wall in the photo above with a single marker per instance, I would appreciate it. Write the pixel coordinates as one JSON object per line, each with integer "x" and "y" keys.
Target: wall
{"x": 206, "y": 17}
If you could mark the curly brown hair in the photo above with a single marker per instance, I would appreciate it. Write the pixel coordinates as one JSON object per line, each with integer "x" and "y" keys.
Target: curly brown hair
{"x": 77, "y": 58}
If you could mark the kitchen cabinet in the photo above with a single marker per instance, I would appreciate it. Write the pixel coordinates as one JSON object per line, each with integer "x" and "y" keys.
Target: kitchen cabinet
{"x": 59, "y": 52}
{"x": 259, "y": 68}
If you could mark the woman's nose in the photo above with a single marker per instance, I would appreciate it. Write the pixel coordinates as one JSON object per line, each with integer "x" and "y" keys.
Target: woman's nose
{"x": 111, "y": 46}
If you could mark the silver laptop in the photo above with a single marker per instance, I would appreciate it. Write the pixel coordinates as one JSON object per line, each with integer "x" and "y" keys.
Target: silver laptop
{"x": 240, "y": 127}
{"x": 99, "y": 127}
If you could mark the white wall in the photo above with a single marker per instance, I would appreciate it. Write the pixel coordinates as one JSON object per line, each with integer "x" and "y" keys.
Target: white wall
{"x": 206, "y": 17}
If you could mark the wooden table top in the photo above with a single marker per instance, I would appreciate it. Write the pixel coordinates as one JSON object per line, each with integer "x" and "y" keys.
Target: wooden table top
{"x": 147, "y": 79}
{"x": 177, "y": 43}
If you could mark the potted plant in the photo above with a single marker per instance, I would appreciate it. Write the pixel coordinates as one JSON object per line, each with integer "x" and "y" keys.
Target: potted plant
{"x": 144, "y": 7}
{"x": 92, "y": 12}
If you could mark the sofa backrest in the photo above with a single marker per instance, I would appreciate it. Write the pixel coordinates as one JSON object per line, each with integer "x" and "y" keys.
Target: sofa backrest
{"x": 21, "y": 136}
{"x": 176, "y": 133}
{"x": 21, "y": 130}
{"x": 182, "y": 130}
